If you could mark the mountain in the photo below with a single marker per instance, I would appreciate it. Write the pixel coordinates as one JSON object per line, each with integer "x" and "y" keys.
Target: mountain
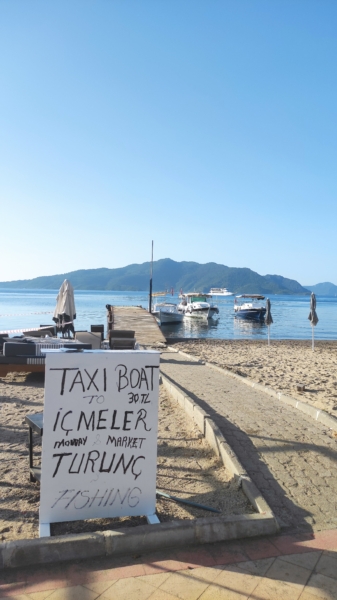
{"x": 323, "y": 289}
{"x": 190, "y": 276}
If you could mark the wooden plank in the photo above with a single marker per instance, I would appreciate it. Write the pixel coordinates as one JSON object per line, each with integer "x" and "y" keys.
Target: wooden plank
{"x": 147, "y": 331}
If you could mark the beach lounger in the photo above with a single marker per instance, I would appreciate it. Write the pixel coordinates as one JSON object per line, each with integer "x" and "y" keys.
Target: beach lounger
{"x": 122, "y": 339}
{"x": 89, "y": 337}
{"x": 98, "y": 329}
{"x": 28, "y": 355}
{"x": 122, "y": 333}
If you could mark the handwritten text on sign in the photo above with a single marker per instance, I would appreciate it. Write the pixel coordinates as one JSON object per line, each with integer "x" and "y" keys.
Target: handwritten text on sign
{"x": 99, "y": 448}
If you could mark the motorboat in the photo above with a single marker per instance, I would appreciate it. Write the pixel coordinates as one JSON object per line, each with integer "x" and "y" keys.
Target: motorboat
{"x": 250, "y": 306}
{"x": 220, "y": 292}
{"x": 198, "y": 306}
{"x": 167, "y": 313}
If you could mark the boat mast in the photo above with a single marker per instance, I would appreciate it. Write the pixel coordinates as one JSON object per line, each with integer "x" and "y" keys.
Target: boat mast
{"x": 151, "y": 273}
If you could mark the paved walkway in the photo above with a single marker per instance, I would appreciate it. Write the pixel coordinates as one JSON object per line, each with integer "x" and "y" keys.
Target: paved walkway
{"x": 290, "y": 457}
{"x": 301, "y": 567}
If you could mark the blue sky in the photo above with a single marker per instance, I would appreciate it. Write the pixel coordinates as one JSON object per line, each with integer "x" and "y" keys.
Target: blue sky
{"x": 208, "y": 126}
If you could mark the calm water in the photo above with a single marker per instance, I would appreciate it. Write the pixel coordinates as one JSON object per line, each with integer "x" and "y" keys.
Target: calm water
{"x": 31, "y": 308}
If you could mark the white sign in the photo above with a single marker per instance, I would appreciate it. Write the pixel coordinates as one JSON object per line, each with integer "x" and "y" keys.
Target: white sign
{"x": 99, "y": 450}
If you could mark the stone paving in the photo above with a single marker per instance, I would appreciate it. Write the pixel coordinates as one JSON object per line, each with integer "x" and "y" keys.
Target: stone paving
{"x": 301, "y": 567}
{"x": 290, "y": 457}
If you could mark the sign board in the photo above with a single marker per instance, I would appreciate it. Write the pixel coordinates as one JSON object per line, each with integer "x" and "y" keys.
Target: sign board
{"x": 99, "y": 450}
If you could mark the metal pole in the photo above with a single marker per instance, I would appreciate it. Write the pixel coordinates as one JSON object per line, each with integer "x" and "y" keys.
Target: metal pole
{"x": 183, "y": 501}
{"x": 151, "y": 273}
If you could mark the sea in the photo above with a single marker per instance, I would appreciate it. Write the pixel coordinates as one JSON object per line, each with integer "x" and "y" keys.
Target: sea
{"x": 24, "y": 309}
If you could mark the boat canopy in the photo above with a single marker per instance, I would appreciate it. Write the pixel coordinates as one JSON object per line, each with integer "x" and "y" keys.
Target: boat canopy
{"x": 196, "y": 295}
{"x": 255, "y": 296}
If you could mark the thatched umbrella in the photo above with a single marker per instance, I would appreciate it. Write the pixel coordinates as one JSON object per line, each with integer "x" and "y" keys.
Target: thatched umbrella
{"x": 313, "y": 318}
{"x": 268, "y": 319}
{"x": 65, "y": 311}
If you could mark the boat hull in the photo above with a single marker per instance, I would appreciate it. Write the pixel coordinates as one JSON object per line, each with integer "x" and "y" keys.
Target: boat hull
{"x": 195, "y": 306}
{"x": 201, "y": 313}
{"x": 167, "y": 312}
{"x": 222, "y": 293}
{"x": 205, "y": 313}
{"x": 167, "y": 318}
{"x": 256, "y": 315}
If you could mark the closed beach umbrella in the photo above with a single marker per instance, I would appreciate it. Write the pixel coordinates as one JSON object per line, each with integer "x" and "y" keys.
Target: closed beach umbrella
{"x": 268, "y": 319}
{"x": 313, "y": 318}
{"x": 65, "y": 311}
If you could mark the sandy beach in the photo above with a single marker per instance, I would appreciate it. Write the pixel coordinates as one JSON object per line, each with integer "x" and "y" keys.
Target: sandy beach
{"x": 283, "y": 365}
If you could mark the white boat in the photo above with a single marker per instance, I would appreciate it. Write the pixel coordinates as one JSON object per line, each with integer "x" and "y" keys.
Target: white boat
{"x": 197, "y": 306}
{"x": 255, "y": 309}
{"x": 220, "y": 292}
{"x": 167, "y": 312}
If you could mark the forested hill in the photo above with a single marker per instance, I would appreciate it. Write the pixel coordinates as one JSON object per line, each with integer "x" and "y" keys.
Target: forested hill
{"x": 189, "y": 276}
{"x": 324, "y": 289}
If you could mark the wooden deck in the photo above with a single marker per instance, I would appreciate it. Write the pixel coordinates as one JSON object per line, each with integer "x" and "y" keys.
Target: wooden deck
{"x": 147, "y": 331}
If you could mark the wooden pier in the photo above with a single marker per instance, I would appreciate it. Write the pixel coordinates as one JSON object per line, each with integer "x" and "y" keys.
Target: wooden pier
{"x": 147, "y": 331}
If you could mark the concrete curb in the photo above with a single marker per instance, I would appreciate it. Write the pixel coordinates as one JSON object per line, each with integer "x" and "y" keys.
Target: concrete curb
{"x": 318, "y": 415}
{"x": 219, "y": 444}
{"x": 141, "y": 539}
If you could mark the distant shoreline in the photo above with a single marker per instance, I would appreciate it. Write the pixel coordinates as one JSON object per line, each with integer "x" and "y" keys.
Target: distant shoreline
{"x": 167, "y": 274}
{"x": 5, "y": 288}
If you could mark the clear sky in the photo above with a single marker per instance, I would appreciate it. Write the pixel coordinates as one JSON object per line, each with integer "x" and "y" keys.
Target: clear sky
{"x": 208, "y": 126}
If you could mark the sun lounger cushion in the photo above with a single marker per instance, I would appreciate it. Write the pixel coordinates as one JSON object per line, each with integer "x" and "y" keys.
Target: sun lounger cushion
{"x": 121, "y": 333}
{"x": 15, "y": 349}
{"x": 98, "y": 329}
{"x": 89, "y": 337}
{"x": 122, "y": 343}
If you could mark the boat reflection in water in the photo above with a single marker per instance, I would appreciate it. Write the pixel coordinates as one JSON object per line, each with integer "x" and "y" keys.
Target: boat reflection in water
{"x": 196, "y": 328}
{"x": 192, "y": 328}
{"x": 249, "y": 327}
